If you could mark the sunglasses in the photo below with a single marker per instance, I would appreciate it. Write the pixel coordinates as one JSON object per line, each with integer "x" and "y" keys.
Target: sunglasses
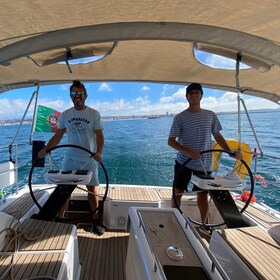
{"x": 194, "y": 91}
{"x": 80, "y": 93}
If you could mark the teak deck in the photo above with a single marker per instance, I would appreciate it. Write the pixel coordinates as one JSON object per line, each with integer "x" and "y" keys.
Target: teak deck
{"x": 42, "y": 249}
{"x": 257, "y": 249}
{"x": 103, "y": 257}
{"x": 32, "y": 265}
{"x": 263, "y": 218}
{"x": 23, "y": 204}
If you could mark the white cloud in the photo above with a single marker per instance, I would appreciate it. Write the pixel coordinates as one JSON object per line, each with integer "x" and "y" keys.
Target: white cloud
{"x": 145, "y": 88}
{"x": 14, "y": 109}
{"x": 179, "y": 94}
{"x": 228, "y": 103}
{"x": 142, "y": 105}
{"x": 177, "y": 103}
{"x": 58, "y": 104}
{"x": 217, "y": 61}
{"x": 104, "y": 87}
{"x": 64, "y": 87}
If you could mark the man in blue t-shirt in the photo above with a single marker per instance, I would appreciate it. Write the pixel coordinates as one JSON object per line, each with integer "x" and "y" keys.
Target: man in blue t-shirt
{"x": 84, "y": 128}
{"x": 190, "y": 134}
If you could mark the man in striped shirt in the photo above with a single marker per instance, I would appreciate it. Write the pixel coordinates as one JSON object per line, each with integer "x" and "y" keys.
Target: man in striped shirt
{"x": 190, "y": 134}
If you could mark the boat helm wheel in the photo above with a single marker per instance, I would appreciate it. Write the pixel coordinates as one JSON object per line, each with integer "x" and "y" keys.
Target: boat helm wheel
{"x": 252, "y": 184}
{"x": 70, "y": 146}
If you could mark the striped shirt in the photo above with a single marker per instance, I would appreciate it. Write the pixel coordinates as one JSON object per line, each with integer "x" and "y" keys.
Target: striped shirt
{"x": 193, "y": 130}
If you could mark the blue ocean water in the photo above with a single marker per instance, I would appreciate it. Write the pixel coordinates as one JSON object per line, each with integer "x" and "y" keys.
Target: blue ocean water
{"x": 136, "y": 151}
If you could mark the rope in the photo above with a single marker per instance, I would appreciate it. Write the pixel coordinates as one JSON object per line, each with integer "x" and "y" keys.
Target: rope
{"x": 13, "y": 235}
{"x": 42, "y": 277}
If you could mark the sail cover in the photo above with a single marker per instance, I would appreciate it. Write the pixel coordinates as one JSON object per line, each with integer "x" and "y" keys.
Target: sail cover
{"x": 149, "y": 41}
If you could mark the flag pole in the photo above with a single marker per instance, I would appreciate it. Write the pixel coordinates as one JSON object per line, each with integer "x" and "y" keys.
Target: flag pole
{"x": 34, "y": 113}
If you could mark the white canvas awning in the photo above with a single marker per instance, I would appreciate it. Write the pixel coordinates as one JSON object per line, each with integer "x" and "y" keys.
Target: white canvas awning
{"x": 150, "y": 41}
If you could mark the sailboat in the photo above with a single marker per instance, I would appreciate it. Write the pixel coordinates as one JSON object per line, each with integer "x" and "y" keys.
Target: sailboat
{"x": 140, "y": 41}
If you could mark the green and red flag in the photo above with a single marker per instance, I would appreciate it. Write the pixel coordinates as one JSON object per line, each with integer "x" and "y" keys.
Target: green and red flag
{"x": 47, "y": 119}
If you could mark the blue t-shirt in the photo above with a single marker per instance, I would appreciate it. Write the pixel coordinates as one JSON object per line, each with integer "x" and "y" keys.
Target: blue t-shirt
{"x": 80, "y": 128}
{"x": 194, "y": 129}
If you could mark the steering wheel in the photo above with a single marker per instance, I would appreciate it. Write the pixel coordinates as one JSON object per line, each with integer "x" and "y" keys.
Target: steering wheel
{"x": 68, "y": 146}
{"x": 211, "y": 151}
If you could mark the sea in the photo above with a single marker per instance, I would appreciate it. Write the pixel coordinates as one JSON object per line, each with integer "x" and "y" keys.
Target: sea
{"x": 136, "y": 150}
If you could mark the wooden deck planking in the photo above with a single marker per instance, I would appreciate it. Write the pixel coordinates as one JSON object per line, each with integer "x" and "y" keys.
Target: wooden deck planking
{"x": 55, "y": 236}
{"x": 167, "y": 194}
{"x": 82, "y": 190}
{"x": 103, "y": 257}
{"x": 134, "y": 194}
{"x": 117, "y": 254}
{"x": 124, "y": 193}
{"x": 257, "y": 249}
{"x": 100, "y": 264}
{"x": 263, "y": 218}
{"x": 34, "y": 265}
{"x": 37, "y": 256}
{"x": 22, "y": 204}
{"x": 88, "y": 258}
{"x": 107, "y": 255}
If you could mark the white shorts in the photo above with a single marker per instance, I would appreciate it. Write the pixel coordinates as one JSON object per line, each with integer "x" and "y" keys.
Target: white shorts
{"x": 92, "y": 165}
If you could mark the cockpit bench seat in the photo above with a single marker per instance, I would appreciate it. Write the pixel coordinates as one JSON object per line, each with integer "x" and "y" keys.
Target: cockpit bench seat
{"x": 51, "y": 251}
{"x": 24, "y": 207}
{"x": 248, "y": 250}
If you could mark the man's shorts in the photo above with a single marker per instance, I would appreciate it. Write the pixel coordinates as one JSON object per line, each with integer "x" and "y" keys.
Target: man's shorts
{"x": 182, "y": 177}
{"x": 90, "y": 164}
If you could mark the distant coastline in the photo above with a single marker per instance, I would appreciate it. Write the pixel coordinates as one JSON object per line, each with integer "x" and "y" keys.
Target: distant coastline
{"x": 251, "y": 111}
{"x": 107, "y": 118}
{"x": 139, "y": 117}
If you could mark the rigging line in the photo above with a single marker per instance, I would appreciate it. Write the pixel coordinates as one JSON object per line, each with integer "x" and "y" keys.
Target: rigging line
{"x": 237, "y": 83}
{"x": 19, "y": 127}
{"x": 268, "y": 183}
{"x": 269, "y": 156}
{"x": 272, "y": 184}
{"x": 23, "y": 117}
{"x": 204, "y": 169}
{"x": 252, "y": 127}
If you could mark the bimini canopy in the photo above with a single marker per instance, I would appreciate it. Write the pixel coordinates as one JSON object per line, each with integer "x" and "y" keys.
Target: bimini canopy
{"x": 151, "y": 41}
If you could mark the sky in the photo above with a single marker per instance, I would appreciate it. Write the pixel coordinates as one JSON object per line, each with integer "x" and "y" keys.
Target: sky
{"x": 126, "y": 99}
